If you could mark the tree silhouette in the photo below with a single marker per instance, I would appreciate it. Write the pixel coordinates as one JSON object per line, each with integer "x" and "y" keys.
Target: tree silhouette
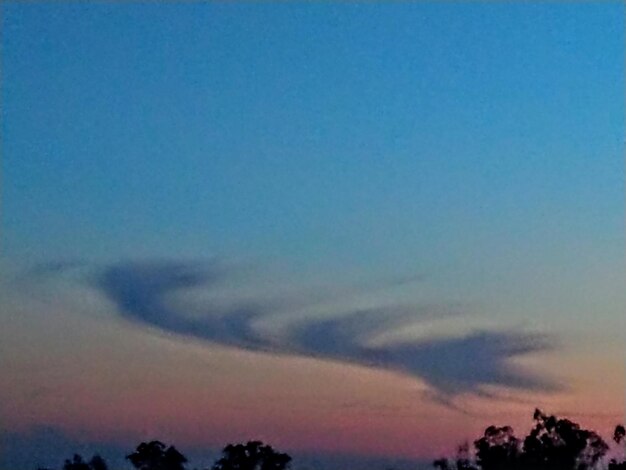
{"x": 442, "y": 464}
{"x": 155, "y": 455}
{"x": 619, "y": 436}
{"x": 253, "y": 455}
{"x": 498, "y": 449}
{"x": 560, "y": 444}
{"x": 462, "y": 461}
{"x": 553, "y": 444}
{"x": 98, "y": 463}
{"x": 77, "y": 463}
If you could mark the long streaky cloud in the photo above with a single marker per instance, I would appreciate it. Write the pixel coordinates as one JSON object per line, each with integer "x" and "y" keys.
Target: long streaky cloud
{"x": 141, "y": 290}
{"x": 451, "y": 366}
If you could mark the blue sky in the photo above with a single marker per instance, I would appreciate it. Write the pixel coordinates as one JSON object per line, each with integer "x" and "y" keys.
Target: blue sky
{"x": 291, "y": 129}
{"x": 474, "y": 148}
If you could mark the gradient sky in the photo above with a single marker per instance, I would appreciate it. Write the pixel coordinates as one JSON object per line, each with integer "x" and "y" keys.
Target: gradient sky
{"x": 347, "y": 229}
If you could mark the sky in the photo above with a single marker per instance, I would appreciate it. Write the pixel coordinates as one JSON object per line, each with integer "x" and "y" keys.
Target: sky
{"x": 356, "y": 231}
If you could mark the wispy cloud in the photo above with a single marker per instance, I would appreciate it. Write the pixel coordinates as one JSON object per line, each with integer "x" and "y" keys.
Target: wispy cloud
{"x": 467, "y": 363}
{"x": 142, "y": 292}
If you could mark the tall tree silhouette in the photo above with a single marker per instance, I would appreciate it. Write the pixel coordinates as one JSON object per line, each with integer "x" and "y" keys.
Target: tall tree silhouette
{"x": 560, "y": 444}
{"x": 552, "y": 444}
{"x": 254, "y": 455}
{"x": 155, "y": 455}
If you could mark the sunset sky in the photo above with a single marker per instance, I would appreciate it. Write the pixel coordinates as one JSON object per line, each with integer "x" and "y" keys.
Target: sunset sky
{"x": 353, "y": 231}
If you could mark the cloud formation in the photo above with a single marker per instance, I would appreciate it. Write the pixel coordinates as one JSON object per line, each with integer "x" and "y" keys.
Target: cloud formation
{"x": 452, "y": 366}
{"x": 140, "y": 292}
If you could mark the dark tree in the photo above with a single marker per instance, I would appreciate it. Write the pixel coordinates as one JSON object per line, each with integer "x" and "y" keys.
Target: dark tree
{"x": 77, "y": 463}
{"x": 498, "y": 449}
{"x": 253, "y": 455}
{"x": 615, "y": 465}
{"x": 155, "y": 455}
{"x": 442, "y": 464}
{"x": 553, "y": 444}
{"x": 462, "y": 461}
{"x": 560, "y": 444}
{"x": 618, "y": 436}
{"x": 98, "y": 463}
{"x": 464, "y": 458}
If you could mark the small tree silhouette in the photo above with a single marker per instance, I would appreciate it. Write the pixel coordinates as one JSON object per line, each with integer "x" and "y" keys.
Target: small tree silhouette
{"x": 462, "y": 461}
{"x": 253, "y": 455}
{"x": 155, "y": 455}
{"x": 98, "y": 463}
{"x": 77, "y": 463}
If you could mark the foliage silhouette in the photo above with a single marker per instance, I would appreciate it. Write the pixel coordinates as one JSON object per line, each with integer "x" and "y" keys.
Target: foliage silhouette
{"x": 77, "y": 463}
{"x": 552, "y": 444}
{"x": 498, "y": 449}
{"x": 254, "y": 455}
{"x": 98, "y": 463}
{"x": 619, "y": 436}
{"x": 155, "y": 455}
{"x": 560, "y": 444}
{"x": 462, "y": 461}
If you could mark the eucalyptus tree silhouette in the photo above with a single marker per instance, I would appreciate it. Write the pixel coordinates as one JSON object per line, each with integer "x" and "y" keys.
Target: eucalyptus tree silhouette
{"x": 498, "y": 449}
{"x": 254, "y": 455}
{"x": 552, "y": 444}
{"x": 560, "y": 444}
{"x": 155, "y": 455}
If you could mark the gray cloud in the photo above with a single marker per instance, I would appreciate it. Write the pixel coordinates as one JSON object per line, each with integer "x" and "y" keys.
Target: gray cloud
{"x": 141, "y": 290}
{"x": 451, "y": 366}
{"x": 468, "y": 363}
